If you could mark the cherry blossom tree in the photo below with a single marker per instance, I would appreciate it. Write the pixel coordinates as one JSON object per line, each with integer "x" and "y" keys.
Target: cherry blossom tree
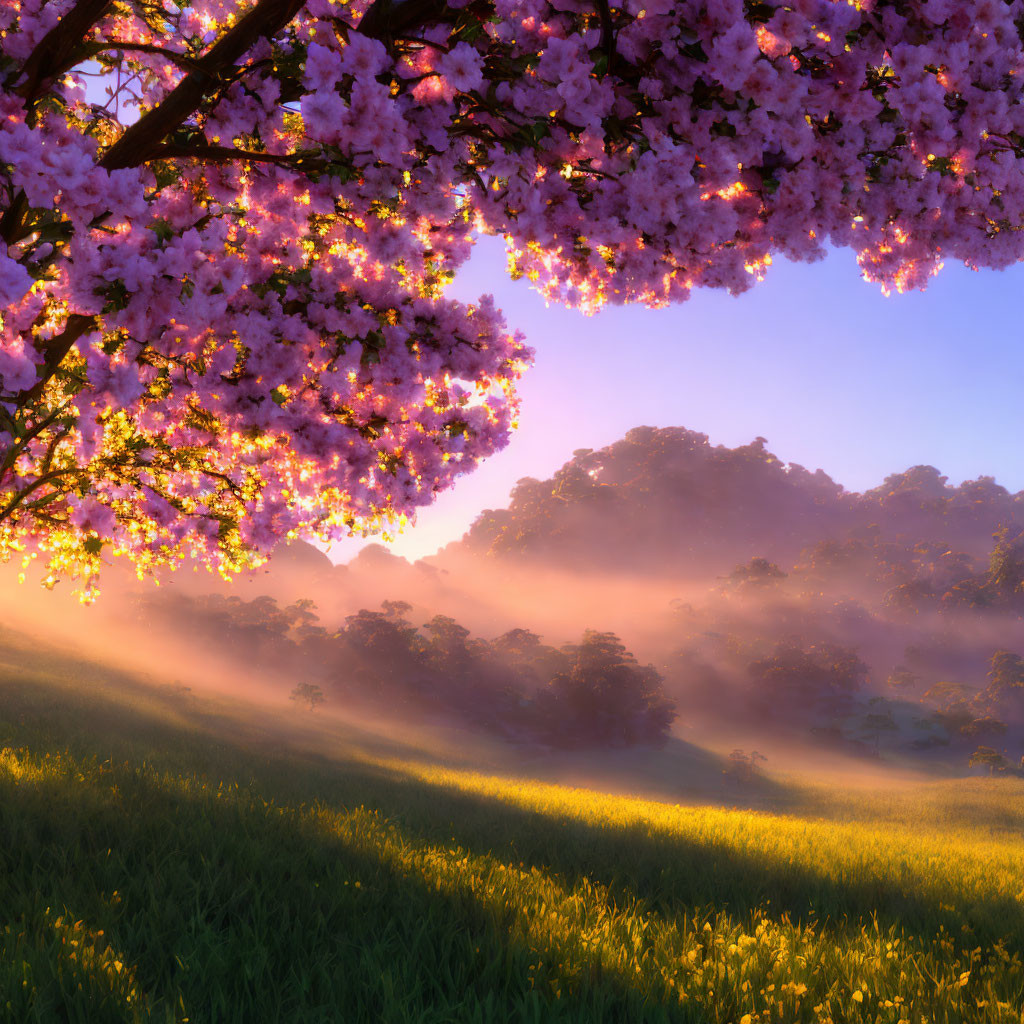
{"x": 228, "y": 227}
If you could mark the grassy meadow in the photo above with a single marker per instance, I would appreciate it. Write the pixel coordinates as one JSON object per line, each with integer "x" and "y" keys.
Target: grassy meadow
{"x": 161, "y": 862}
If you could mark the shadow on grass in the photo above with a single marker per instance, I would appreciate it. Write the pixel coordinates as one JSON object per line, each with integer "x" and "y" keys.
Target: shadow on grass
{"x": 674, "y": 875}
{"x": 223, "y": 912}
{"x": 678, "y": 771}
{"x": 224, "y": 899}
{"x": 663, "y": 871}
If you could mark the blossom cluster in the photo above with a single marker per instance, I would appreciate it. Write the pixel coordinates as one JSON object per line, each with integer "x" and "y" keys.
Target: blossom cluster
{"x": 223, "y": 281}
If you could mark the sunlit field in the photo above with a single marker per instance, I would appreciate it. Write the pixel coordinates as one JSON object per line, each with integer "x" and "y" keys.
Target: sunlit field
{"x": 152, "y": 872}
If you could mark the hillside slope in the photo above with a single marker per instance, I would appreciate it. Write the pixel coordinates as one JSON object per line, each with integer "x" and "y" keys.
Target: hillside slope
{"x": 160, "y": 861}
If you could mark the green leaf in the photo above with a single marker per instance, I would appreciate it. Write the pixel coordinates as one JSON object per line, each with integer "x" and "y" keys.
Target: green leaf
{"x": 162, "y": 229}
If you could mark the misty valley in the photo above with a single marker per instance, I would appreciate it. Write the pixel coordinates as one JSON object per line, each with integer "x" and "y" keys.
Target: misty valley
{"x": 661, "y": 588}
{"x": 684, "y": 733}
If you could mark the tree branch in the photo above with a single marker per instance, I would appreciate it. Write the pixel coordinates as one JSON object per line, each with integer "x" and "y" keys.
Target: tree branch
{"x": 12, "y": 506}
{"x": 12, "y": 220}
{"x": 181, "y": 59}
{"x": 144, "y": 139}
{"x": 23, "y": 442}
{"x": 58, "y": 49}
{"x": 607, "y": 31}
{"x": 137, "y": 144}
{"x": 56, "y": 350}
{"x": 221, "y": 154}
{"x": 385, "y": 19}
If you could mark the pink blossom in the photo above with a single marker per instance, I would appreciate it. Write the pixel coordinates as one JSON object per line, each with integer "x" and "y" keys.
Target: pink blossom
{"x": 15, "y": 281}
{"x": 733, "y": 54}
{"x": 362, "y": 57}
{"x": 274, "y": 324}
{"x": 462, "y": 66}
{"x": 324, "y": 66}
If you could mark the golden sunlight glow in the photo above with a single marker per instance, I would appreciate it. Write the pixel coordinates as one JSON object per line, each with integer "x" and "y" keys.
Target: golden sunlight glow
{"x": 737, "y": 188}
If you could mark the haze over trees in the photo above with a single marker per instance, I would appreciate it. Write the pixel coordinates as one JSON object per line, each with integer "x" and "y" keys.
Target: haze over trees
{"x": 587, "y": 694}
{"x": 893, "y": 623}
{"x": 224, "y": 318}
{"x": 691, "y": 506}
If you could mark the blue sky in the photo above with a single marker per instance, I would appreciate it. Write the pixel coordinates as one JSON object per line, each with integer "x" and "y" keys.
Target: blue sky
{"x": 835, "y": 375}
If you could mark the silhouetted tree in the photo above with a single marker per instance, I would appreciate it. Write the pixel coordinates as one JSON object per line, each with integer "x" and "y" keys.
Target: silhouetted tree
{"x": 1006, "y": 565}
{"x": 987, "y": 757}
{"x": 308, "y": 693}
{"x": 986, "y": 725}
{"x": 382, "y": 654}
{"x": 604, "y": 698}
{"x": 756, "y": 575}
{"x": 1004, "y": 693}
{"x": 820, "y": 677}
{"x": 743, "y": 767}
{"x": 396, "y": 610}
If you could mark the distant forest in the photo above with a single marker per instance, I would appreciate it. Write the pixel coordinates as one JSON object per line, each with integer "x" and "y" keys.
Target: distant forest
{"x": 667, "y": 502}
{"x": 883, "y": 621}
